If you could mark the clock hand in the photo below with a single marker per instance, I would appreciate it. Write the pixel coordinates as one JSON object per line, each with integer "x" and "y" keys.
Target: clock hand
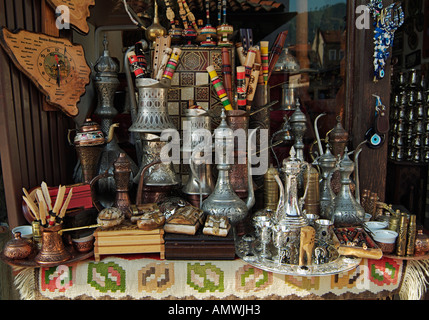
{"x": 58, "y": 71}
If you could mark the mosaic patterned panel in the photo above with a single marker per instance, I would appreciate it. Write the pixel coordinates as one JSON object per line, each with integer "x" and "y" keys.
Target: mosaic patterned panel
{"x": 192, "y": 82}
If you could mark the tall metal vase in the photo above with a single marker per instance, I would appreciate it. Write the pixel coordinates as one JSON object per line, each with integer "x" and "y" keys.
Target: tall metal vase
{"x": 106, "y": 82}
{"x": 200, "y": 182}
{"x": 151, "y": 120}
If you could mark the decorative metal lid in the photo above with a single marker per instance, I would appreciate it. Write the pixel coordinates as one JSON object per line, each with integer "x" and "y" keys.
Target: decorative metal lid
{"x": 327, "y": 160}
{"x": 89, "y": 134}
{"x": 292, "y": 165}
{"x": 298, "y": 115}
{"x": 122, "y": 164}
{"x": 338, "y": 133}
{"x": 105, "y": 65}
{"x": 346, "y": 165}
{"x": 223, "y": 131}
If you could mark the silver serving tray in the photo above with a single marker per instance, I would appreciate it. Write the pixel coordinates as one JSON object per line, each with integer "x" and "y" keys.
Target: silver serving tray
{"x": 335, "y": 266}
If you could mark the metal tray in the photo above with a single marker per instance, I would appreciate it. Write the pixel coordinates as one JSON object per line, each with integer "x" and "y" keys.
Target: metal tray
{"x": 245, "y": 250}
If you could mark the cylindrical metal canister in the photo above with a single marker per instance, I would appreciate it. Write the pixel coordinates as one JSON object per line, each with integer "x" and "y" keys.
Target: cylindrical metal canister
{"x": 271, "y": 189}
{"x": 411, "y": 235}
{"x": 312, "y": 202}
{"x": 401, "y": 241}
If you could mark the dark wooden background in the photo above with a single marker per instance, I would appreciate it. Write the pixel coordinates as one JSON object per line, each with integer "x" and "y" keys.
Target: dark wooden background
{"x": 33, "y": 142}
{"x": 360, "y": 104}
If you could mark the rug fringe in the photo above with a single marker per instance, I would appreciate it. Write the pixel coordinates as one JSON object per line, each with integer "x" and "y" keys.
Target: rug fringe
{"x": 25, "y": 282}
{"x": 415, "y": 280}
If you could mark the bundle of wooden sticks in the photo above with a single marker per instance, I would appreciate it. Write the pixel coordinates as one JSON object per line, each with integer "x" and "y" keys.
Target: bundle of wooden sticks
{"x": 257, "y": 65}
{"x": 41, "y": 207}
{"x": 164, "y": 62}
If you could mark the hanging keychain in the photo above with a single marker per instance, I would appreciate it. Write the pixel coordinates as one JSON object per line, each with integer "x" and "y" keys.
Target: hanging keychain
{"x": 386, "y": 22}
{"x": 375, "y": 135}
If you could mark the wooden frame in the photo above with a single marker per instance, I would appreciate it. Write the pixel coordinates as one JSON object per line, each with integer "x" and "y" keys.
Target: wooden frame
{"x": 360, "y": 103}
{"x": 34, "y": 147}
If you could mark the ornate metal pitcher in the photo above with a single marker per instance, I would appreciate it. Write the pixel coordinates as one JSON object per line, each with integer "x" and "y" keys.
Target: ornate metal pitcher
{"x": 327, "y": 165}
{"x": 89, "y": 142}
{"x": 161, "y": 174}
{"x": 106, "y": 82}
{"x": 289, "y": 209}
{"x": 152, "y": 118}
{"x": 152, "y": 110}
{"x": 223, "y": 200}
{"x": 200, "y": 182}
{"x": 347, "y": 211}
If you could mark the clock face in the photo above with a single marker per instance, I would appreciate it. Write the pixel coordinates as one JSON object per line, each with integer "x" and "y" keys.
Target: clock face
{"x": 55, "y": 65}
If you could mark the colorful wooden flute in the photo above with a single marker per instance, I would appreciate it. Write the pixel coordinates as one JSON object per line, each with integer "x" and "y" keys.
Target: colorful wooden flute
{"x": 241, "y": 87}
{"x": 253, "y": 82}
{"x": 172, "y": 64}
{"x": 258, "y": 60}
{"x": 276, "y": 50}
{"x": 240, "y": 53}
{"x": 264, "y": 59}
{"x": 141, "y": 58}
{"x": 227, "y": 72}
{"x": 164, "y": 61}
{"x": 134, "y": 65}
{"x": 220, "y": 89}
{"x": 248, "y": 64}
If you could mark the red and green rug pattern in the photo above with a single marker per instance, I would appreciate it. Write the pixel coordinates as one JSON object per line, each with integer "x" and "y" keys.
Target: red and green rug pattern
{"x": 127, "y": 277}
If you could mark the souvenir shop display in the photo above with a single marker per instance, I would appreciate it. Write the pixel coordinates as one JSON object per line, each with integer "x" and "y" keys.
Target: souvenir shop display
{"x": 193, "y": 195}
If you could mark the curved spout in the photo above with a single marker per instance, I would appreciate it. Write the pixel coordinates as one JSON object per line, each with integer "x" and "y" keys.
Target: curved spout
{"x": 281, "y": 194}
{"x": 250, "y": 201}
{"x": 111, "y": 132}
{"x": 356, "y": 161}
{"x": 316, "y": 131}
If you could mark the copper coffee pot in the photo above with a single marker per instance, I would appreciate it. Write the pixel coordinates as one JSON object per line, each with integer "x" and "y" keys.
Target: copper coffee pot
{"x": 89, "y": 142}
{"x": 53, "y": 250}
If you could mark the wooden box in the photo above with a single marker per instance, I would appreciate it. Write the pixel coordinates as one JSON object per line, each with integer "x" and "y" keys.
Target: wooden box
{"x": 128, "y": 239}
{"x": 199, "y": 246}
{"x": 343, "y": 242}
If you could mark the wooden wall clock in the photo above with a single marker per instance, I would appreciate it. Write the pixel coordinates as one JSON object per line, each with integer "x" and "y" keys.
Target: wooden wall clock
{"x": 55, "y": 65}
{"x": 78, "y": 10}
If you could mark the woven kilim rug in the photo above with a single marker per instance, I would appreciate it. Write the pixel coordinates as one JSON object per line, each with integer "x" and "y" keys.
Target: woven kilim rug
{"x": 150, "y": 278}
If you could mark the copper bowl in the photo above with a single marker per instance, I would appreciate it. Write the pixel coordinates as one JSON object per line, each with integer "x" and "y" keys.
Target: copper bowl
{"x": 84, "y": 244}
